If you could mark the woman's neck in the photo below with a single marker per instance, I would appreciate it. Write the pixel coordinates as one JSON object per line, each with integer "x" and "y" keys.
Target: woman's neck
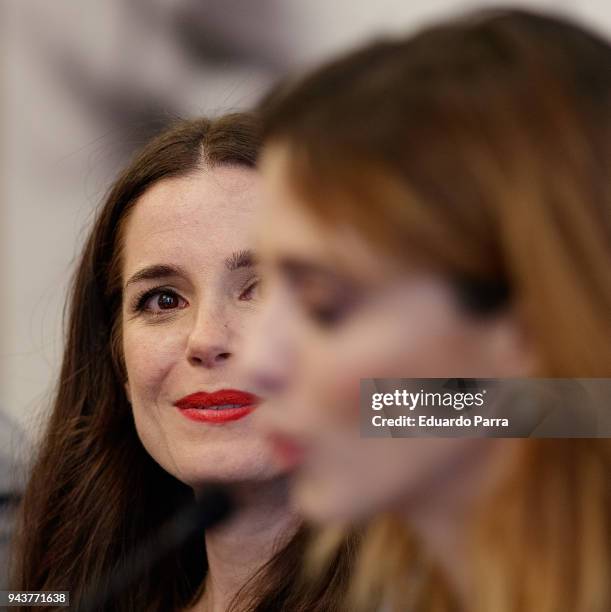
{"x": 444, "y": 517}
{"x": 262, "y": 522}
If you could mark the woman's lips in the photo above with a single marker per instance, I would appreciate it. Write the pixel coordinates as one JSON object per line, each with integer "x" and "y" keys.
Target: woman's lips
{"x": 288, "y": 452}
{"x": 219, "y": 407}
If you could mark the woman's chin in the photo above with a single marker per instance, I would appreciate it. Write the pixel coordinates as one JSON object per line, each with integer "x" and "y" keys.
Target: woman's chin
{"x": 199, "y": 475}
{"x": 322, "y": 501}
{"x": 196, "y": 463}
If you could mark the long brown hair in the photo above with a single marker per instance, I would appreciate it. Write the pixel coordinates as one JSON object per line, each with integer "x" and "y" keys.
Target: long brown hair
{"x": 481, "y": 148}
{"x": 94, "y": 491}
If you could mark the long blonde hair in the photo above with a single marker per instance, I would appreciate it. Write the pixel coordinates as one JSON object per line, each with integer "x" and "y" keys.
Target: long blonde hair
{"x": 482, "y": 148}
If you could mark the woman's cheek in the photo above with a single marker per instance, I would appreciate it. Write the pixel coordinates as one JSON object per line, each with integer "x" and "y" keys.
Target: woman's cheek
{"x": 149, "y": 358}
{"x": 339, "y": 367}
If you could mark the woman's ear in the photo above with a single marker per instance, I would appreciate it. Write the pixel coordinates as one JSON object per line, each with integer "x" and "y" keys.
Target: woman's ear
{"x": 127, "y": 391}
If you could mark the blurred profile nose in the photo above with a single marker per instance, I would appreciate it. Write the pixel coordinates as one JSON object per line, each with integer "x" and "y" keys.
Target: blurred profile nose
{"x": 266, "y": 358}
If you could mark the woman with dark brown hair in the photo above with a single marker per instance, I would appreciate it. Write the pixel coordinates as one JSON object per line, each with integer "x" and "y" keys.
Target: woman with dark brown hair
{"x": 149, "y": 406}
{"x": 445, "y": 210}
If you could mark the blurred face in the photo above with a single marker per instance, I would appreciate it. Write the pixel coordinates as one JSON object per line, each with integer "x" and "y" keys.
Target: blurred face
{"x": 337, "y": 310}
{"x": 190, "y": 290}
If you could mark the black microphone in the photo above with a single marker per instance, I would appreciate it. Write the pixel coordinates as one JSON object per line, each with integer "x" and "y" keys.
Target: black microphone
{"x": 212, "y": 507}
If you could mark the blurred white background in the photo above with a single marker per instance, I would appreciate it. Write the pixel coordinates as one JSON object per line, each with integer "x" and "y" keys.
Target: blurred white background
{"x": 83, "y": 83}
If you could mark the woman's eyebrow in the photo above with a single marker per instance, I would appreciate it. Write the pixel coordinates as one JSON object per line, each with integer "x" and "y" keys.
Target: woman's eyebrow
{"x": 298, "y": 270}
{"x": 156, "y": 271}
{"x": 241, "y": 259}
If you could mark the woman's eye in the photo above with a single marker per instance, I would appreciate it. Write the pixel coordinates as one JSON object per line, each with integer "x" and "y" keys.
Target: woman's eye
{"x": 157, "y": 302}
{"x": 326, "y": 315}
{"x": 251, "y": 291}
{"x": 325, "y": 306}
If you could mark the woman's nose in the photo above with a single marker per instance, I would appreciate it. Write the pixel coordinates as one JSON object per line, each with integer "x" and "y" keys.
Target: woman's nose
{"x": 210, "y": 342}
{"x": 266, "y": 359}
{"x": 209, "y": 356}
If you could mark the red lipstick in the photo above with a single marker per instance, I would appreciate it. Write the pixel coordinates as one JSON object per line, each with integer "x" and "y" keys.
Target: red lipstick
{"x": 288, "y": 452}
{"x": 219, "y": 407}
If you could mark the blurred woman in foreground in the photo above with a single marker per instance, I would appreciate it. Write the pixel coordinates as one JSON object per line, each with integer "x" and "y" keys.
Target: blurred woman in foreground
{"x": 440, "y": 206}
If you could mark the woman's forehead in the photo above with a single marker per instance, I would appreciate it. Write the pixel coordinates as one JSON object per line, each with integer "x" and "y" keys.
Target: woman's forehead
{"x": 191, "y": 217}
